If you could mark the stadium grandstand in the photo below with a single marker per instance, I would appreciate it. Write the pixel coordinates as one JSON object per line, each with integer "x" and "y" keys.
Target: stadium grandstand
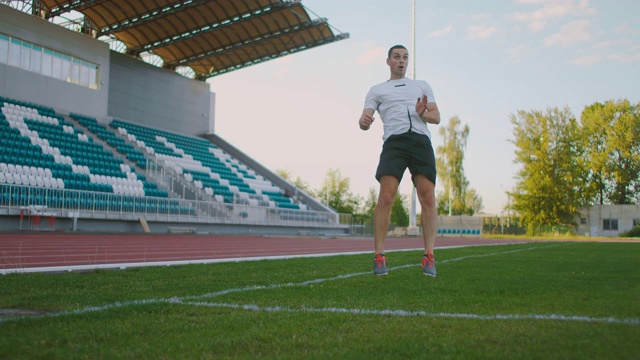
{"x": 107, "y": 122}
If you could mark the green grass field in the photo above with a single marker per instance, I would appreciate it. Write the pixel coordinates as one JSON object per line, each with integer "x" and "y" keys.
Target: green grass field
{"x": 543, "y": 300}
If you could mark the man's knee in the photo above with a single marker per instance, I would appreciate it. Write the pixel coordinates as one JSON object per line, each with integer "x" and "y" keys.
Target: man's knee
{"x": 427, "y": 199}
{"x": 388, "y": 189}
{"x": 425, "y": 189}
{"x": 386, "y": 199}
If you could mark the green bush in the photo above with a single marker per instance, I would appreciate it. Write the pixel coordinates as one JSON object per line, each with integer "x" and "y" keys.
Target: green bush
{"x": 634, "y": 232}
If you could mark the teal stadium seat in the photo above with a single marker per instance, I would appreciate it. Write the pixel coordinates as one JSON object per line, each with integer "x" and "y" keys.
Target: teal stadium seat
{"x": 59, "y": 156}
{"x": 207, "y": 166}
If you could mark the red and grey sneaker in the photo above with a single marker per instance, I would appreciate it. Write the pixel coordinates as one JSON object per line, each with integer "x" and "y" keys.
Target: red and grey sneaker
{"x": 380, "y": 265}
{"x": 428, "y": 264}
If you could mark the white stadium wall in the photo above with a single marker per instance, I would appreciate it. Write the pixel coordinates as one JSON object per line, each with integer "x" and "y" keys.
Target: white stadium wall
{"x": 126, "y": 88}
{"x": 30, "y": 86}
{"x": 160, "y": 98}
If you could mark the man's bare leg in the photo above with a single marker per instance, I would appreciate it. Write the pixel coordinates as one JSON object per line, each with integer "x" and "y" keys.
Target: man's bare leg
{"x": 425, "y": 190}
{"x": 429, "y": 219}
{"x": 382, "y": 214}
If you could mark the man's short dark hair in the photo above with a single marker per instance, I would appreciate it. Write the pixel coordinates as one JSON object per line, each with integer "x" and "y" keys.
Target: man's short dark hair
{"x": 395, "y": 47}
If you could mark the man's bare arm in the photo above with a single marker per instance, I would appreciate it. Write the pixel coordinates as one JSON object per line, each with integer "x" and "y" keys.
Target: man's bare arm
{"x": 428, "y": 111}
{"x": 432, "y": 115}
{"x": 366, "y": 119}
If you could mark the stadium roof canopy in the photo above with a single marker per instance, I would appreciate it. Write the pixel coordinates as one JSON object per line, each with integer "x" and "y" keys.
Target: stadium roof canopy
{"x": 211, "y": 37}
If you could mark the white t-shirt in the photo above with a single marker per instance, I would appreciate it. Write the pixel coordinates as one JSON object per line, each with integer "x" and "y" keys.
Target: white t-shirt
{"x": 395, "y": 101}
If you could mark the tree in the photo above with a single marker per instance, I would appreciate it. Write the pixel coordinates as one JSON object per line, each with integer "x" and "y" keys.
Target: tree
{"x": 611, "y": 134}
{"x": 298, "y": 182}
{"x": 370, "y": 202}
{"x": 336, "y": 193}
{"x": 399, "y": 215}
{"x": 473, "y": 202}
{"x": 449, "y": 160}
{"x": 549, "y": 184}
{"x": 364, "y": 218}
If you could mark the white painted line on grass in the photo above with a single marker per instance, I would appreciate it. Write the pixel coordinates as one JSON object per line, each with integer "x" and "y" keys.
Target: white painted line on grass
{"x": 406, "y": 313}
{"x": 346, "y": 276}
{"x": 388, "y": 312}
{"x": 304, "y": 309}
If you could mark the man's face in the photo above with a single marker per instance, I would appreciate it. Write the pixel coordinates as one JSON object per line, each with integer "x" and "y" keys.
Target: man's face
{"x": 398, "y": 62}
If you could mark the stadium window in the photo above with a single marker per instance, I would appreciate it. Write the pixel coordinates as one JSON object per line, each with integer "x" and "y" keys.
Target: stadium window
{"x": 47, "y": 59}
{"x": 636, "y": 222}
{"x": 56, "y": 69}
{"x": 583, "y": 221}
{"x": 93, "y": 76}
{"x": 84, "y": 74}
{"x": 14, "y": 52}
{"x": 25, "y": 56}
{"x": 47, "y": 62}
{"x": 75, "y": 71}
{"x": 609, "y": 224}
{"x": 36, "y": 59}
{"x": 4, "y": 49}
{"x": 66, "y": 68}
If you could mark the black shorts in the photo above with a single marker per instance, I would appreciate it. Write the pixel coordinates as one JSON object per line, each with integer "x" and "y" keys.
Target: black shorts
{"x": 409, "y": 150}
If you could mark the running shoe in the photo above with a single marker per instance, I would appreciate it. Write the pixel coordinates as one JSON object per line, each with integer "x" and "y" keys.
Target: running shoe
{"x": 380, "y": 265}
{"x": 428, "y": 265}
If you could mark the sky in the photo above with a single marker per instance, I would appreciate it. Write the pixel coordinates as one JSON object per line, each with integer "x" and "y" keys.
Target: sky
{"x": 484, "y": 60}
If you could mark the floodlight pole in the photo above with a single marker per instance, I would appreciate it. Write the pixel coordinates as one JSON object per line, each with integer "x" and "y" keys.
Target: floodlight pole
{"x": 412, "y": 217}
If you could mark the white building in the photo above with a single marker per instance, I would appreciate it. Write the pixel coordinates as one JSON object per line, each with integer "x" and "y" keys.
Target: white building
{"x": 608, "y": 220}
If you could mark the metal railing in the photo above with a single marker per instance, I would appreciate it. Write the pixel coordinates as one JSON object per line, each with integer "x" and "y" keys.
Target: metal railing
{"x": 99, "y": 205}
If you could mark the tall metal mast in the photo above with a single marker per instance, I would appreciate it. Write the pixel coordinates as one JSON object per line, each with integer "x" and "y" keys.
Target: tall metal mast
{"x": 412, "y": 210}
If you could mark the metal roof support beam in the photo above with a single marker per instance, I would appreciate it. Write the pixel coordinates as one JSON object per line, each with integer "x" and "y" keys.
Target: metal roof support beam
{"x": 236, "y": 46}
{"x": 279, "y": 55}
{"x": 228, "y": 22}
{"x": 268, "y": 29}
{"x": 152, "y": 15}
{"x": 230, "y": 48}
{"x": 77, "y": 5}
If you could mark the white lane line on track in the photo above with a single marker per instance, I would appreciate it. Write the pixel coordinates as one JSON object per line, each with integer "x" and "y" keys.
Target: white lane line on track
{"x": 125, "y": 265}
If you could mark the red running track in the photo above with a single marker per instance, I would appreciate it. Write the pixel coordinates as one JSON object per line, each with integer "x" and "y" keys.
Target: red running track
{"x": 30, "y": 252}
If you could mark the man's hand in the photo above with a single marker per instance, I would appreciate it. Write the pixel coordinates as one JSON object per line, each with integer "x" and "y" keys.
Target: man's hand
{"x": 421, "y": 105}
{"x": 428, "y": 112}
{"x": 366, "y": 119}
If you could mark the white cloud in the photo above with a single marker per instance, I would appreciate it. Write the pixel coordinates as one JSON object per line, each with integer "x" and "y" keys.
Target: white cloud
{"x": 518, "y": 52}
{"x": 623, "y": 58}
{"x": 551, "y": 10}
{"x": 612, "y": 43}
{"x": 573, "y": 32}
{"x": 481, "y": 16}
{"x": 627, "y": 28}
{"x": 532, "y": 2}
{"x": 372, "y": 55}
{"x": 441, "y": 32}
{"x": 587, "y": 60}
{"x": 536, "y": 26}
{"x": 480, "y": 31}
